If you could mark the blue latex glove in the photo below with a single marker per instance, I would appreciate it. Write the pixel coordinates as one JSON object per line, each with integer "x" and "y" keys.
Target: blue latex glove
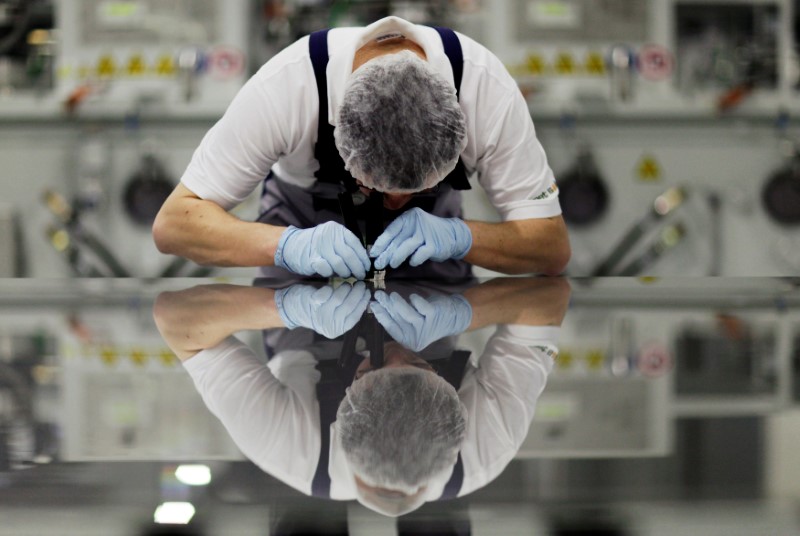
{"x": 421, "y": 236}
{"x": 327, "y": 311}
{"x": 327, "y": 249}
{"x": 417, "y": 324}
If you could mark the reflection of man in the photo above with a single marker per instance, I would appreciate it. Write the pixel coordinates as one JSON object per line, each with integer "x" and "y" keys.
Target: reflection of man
{"x": 399, "y": 430}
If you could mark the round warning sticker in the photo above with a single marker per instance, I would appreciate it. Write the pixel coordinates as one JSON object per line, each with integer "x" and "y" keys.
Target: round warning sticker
{"x": 656, "y": 63}
{"x": 654, "y": 359}
{"x": 225, "y": 62}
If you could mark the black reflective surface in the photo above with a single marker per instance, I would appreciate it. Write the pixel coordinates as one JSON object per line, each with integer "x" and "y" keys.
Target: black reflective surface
{"x": 504, "y": 406}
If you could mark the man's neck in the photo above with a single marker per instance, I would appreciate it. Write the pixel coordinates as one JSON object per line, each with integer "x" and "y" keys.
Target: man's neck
{"x": 379, "y": 47}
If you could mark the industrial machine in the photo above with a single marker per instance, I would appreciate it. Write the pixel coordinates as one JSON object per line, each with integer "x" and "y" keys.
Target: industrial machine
{"x": 27, "y": 46}
{"x": 177, "y": 56}
{"x": 116, "y": 57}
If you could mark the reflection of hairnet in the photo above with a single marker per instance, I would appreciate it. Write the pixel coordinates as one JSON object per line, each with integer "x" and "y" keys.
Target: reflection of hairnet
{"x": 399, "y": 127}
{"x": 400, "y": 428}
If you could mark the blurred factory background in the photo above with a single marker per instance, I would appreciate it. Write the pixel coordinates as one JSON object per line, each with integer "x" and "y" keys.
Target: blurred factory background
{"x": 670, "y": 124}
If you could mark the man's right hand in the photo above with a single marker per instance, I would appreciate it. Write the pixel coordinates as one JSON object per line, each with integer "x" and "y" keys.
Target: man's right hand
{"x": 328, "y": 311}
{"x": 327, "y": 249}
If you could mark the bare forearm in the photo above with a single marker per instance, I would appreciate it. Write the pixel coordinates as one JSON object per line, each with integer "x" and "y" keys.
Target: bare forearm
{"x": 205, "y": 233}
{"x": 198, "y": 318}
{"x": 530, "y": 301}
{"x": 516, "y": 247}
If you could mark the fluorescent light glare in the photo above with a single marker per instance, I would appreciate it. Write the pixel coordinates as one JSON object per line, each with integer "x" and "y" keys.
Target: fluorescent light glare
{"x": 193, "y": 475}
{"x": 174, "y": 513}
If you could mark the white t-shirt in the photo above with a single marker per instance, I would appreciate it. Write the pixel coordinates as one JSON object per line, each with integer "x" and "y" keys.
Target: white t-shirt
{"x": 272, "y": 413}
{"x": 272, "y": 124}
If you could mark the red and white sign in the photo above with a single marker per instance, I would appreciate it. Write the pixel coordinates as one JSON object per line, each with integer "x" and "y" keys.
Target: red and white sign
{"x": 654, "y": 360}
{"x": 656, "y": 63}
{"x": 225, "y": 62}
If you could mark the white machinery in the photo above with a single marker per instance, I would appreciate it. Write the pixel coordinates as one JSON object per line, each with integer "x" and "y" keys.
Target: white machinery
{"x": 181, "y": 57}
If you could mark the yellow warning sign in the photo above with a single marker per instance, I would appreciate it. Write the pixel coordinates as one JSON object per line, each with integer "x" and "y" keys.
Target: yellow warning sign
{"x": 595, "y": 359}
{"x": 108, "y": 355}
{"x": 648, "y": 169}
{"x": 138, "y": 357}
{"x": 167, "y": 357}
{"x": 565, "y": 63}
{"x": 64, "y": 71}
{"x": 565, "y": 359}
{"x": 594, "y": 64}
{"x": 136, "y": 65}
{"x": 535, "y": 64}
{"x": 106, "y": 66}
{"x": 165, "y": 65}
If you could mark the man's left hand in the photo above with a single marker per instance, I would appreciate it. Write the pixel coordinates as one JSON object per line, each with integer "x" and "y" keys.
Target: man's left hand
{"x": 421, "y": 236}
{"x": 417, "y": 324}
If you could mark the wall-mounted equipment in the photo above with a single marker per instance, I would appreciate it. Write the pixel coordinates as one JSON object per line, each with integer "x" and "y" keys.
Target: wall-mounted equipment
{"x": 732, "y": 357}
{"x": 581, "y": 21}
{"x": 781, "y": 192}
{"x": 146, "y": 190}
{"x": 730, "y": 47}
{"x": 586, "y": 417}
{"x": 582, "y": 190}
{"x": 120, "y": 55}
{"x": 27, "y": 46}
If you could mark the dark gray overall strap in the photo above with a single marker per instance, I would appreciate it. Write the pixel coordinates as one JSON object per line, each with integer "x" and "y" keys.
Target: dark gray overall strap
{"x": 453, "y": 374}
{"x": 331, "y": 165}
{"x": 452, "y": 48}
{"x": 335, "y": 377}
{"x": 330, "y": 392}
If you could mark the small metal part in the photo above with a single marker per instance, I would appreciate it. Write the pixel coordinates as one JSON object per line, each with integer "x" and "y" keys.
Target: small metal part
{"x": 379, "y": 279}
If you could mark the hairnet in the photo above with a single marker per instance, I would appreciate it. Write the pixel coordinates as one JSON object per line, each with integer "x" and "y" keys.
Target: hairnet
{"x": 399, "y": 127}
{"x": 399, "y": 428}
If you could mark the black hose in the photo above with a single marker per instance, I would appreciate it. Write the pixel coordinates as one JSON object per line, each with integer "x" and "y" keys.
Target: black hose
{"x": 19, "y": 27}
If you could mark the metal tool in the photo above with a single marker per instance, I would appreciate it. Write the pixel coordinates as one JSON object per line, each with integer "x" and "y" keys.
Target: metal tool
{"x": 61, "y": 241}
{"x": 669, "y": 237}
{"x": 622, "y": 62}
{"x": 663, "y": 205}
{"x": 70, "y": 220}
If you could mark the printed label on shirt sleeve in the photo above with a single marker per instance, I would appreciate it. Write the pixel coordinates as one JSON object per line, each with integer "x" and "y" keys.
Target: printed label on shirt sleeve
{"x": 550, "y": 351}
{"x": 551, "y": 191}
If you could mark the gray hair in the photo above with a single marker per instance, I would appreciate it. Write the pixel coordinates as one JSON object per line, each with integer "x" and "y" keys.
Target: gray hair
{"x": 400, "y": 427}
{"x": 399, "y": 127}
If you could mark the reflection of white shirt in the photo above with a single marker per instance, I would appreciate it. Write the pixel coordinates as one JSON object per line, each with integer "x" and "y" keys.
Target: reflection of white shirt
{"x": 272, "y": 412}
{"x": 272, "y": 124}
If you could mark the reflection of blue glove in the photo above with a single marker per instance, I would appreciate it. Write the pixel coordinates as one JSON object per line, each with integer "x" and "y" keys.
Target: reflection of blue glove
{"x": 423, "y": 321}
{"x": 421, "y": 236}
{"x": 327, "y": 311}
{"x": 326, "y": 249}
